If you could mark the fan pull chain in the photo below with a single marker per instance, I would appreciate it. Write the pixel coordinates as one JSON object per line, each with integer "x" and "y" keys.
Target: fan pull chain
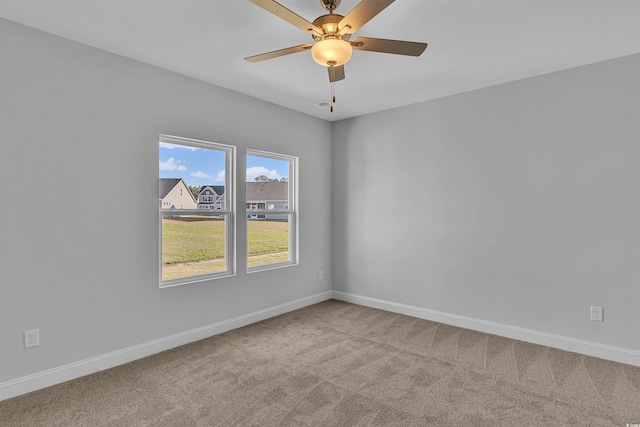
{"x": 332, "y": 80}
{"x": 333, "y": 95}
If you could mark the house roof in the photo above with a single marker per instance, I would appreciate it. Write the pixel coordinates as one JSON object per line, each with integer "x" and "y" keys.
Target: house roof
{"x": 255, "y": 190}
{"x": 267, "y": 191}
{"x": 166, "y": 185}
{"x": 219, "y": 189}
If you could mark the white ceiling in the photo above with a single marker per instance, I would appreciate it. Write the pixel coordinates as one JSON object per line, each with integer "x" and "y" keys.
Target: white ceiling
{"x": 472, "y": 44}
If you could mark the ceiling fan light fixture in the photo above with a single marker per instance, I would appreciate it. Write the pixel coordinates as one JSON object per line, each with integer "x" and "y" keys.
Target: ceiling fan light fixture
{"x": 331, "y": 52}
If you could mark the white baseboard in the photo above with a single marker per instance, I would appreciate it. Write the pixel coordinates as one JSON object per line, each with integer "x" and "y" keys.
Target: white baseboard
{"x": 602, "y": 351}
{"x": 81, "y": 368}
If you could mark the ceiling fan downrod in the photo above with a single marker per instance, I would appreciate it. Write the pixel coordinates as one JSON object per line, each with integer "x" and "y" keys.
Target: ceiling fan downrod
{"x": 330, "y": 5}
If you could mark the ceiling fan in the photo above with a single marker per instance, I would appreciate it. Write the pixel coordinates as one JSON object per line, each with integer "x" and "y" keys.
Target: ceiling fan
{"x": 331, "y": 33}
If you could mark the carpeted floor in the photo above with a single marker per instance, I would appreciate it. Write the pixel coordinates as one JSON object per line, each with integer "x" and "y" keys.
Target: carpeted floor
{"x": 338, "y": 364}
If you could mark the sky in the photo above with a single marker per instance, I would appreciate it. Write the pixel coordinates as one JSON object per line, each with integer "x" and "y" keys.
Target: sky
{"x": 199, "y": 166}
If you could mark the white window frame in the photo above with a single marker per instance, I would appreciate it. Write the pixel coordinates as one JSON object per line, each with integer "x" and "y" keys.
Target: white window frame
{"x": 228, "y": 212}
{"x": 292, "y": 211}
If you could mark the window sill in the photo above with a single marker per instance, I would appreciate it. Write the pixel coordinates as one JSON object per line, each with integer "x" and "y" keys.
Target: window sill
{"x": 267, "y": 267}
{"x": 171, "y": 283}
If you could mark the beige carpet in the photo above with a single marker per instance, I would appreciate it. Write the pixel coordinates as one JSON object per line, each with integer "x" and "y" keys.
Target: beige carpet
{"x": 338, "y": 364}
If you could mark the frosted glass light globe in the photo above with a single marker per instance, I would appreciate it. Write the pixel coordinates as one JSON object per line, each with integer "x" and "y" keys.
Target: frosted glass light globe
{"x": 334, "y": 52}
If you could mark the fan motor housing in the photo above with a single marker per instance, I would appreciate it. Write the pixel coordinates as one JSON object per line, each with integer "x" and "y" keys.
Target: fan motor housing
{"x": 329, "y": 26}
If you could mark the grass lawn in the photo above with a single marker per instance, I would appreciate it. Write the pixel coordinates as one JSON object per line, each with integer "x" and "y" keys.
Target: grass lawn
{"x": 267, "y": 236}
{"x": 195, "y": 245}
{"x": 189, "y": 239}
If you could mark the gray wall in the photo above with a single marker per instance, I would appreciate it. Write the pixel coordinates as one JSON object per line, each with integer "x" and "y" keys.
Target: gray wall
{"x": 78, "y": 200}
{"x": 517, "y": 204}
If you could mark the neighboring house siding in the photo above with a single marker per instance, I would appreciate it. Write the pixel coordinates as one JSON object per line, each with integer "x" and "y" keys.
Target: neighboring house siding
{"x": 211, "y": 197}
{"x": 267, "y": 195}
{"x": 174, "y": 194}
{"x": 177, "y": 196}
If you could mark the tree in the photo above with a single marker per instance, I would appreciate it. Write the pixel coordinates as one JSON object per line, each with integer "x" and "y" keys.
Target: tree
{"x": 264, "y": 178}
{"x": 195, "y": 190}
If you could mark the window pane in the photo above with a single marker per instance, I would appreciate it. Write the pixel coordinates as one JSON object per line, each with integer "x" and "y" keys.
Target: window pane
{"x": 267, "y": 182}
{"x": 196, "y": 213}
{"x": 267, "y": 240}
{"x": 192, "y": 245}
{"x": 269, "y": 232}
{"x": 191, "y": 177}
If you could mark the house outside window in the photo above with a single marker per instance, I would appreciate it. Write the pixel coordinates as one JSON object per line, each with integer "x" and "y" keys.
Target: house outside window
{"x": 196, "y": 233}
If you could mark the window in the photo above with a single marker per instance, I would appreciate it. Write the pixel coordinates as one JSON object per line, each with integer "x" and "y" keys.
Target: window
{"x": 271, "y": 209}
{"x": 196, "y": 242}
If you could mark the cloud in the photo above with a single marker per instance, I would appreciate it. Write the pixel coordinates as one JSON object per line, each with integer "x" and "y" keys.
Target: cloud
{"x": 199, "y": 174}
{"x": 256, "y": 171}
{"x": 219, "y": 177}
{"x": 169, "y": 146}
{"x": 172, "y": 164}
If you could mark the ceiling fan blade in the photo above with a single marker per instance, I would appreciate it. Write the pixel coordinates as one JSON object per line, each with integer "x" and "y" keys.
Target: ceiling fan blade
{"x": 277, "y": 53}
{"x": 336, "y": 73}
{"x": 289, "y": 16}
{"x": 398, "y": 47}
{"x": 361, "y": 14}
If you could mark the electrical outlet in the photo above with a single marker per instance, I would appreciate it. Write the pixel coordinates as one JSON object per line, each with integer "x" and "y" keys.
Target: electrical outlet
{"x": 321, "y": 275}
{"x": 31, "y": 338}
{"x": 597, "y": 314}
